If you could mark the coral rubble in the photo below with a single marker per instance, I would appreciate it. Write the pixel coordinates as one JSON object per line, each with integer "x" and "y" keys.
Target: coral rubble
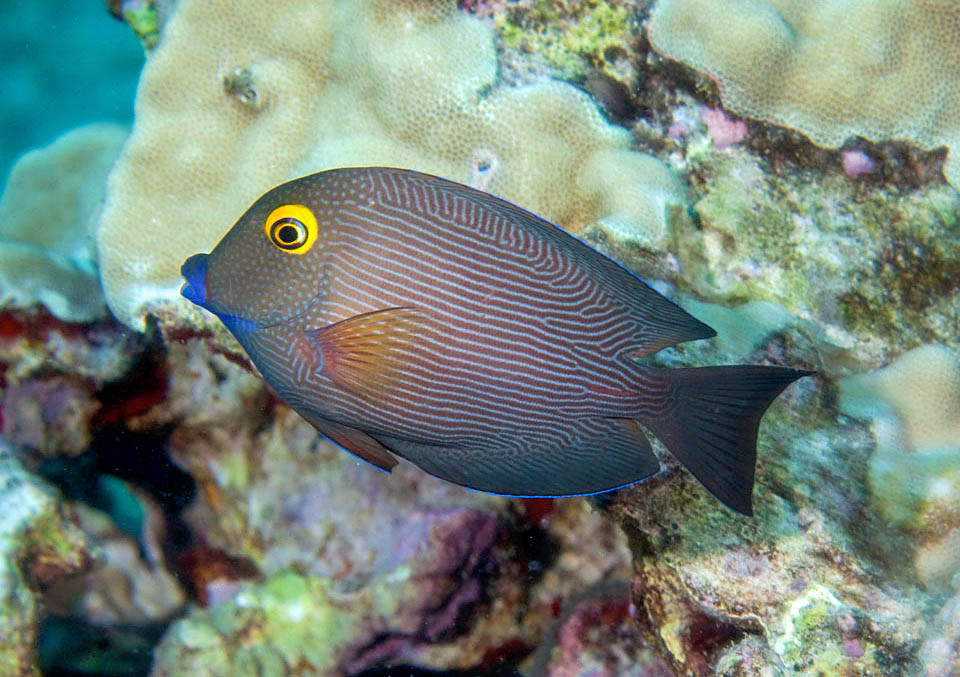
{"x": 39, "y": 546}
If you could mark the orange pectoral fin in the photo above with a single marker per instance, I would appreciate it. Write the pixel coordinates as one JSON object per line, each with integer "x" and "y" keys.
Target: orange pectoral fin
{"x": 368, "y": 353}
{"x": 357, "y": 442}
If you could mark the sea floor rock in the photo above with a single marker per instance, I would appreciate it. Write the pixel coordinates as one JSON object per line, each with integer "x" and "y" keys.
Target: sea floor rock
{"x": 787, "y": 591}
{"x": 38, "y": 546}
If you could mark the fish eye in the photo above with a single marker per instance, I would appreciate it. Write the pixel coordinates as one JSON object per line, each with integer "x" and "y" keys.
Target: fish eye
{"x": 289, "y": 233}
{"x": 291, "y": 228}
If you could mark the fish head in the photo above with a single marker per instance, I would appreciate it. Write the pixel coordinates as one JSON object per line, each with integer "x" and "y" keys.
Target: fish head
{"x": 267, "y": 269}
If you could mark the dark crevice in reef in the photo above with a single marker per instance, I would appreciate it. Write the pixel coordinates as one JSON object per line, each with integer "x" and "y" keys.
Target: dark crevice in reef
{"x": 537, "y": 551}
{"x": 707, "y": 635}
{"x": 69, "y": 648}
{"x": 502, "y": 661}
{"x": 70, "y": 645}
{"x": 143, "y": 386}
{"x": 136, "y": 457}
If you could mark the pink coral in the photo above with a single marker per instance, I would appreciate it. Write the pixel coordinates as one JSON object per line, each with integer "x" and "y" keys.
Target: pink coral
{"x": 853, "y": 648}
{"x": 678, "y": 130}
{"x": 856, "y": 162}
{"x": 722, "y": 130}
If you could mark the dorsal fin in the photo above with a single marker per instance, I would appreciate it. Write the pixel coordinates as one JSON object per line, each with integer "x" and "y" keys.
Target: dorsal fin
{"x": 660, "y": 322}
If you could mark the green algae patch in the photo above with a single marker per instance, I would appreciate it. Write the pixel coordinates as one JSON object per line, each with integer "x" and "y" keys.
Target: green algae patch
{"x": 576, "y": 39}
{"x": 288, "y": 622}
{"x": 143, "y": 21}
{"x": 804, "y": 615}
{"x": 297, "y": 612}
{"x": 875, "y": 262}
{"x": 914, "y": 270}
{"x": 810, "y": 641}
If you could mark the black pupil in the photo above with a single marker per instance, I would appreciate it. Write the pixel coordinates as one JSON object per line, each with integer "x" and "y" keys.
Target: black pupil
{"x": 288, "y": 233}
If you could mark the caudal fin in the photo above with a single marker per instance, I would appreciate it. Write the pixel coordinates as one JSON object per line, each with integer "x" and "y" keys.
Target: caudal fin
{"x": 712, "y": 429}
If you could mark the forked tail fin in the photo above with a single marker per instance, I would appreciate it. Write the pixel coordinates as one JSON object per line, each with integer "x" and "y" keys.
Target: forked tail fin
{"x": 712, "y": 429}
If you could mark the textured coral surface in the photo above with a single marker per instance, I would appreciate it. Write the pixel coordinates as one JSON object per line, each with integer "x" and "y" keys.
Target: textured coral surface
{"x": 48, "y": 212}
{"x": 881, "y": 69}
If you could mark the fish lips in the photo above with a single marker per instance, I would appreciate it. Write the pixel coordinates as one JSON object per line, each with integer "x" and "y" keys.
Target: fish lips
{"x": 194, "y": 271}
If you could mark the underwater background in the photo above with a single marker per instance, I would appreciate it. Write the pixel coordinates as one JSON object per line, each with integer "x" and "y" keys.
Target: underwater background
{"x": 63, "y": 65}
{"x": 785, "y": 170}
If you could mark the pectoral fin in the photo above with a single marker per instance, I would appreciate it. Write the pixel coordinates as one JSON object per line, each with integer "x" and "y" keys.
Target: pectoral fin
{"x": 368, "y": 353}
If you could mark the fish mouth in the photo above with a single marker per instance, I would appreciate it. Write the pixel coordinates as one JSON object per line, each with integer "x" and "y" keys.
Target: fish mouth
{"x": 194, "y": 271}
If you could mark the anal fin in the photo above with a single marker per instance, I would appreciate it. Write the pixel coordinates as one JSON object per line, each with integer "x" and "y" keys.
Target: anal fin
{"x": 605, "y": 454}
{"x": 357, "y": 443}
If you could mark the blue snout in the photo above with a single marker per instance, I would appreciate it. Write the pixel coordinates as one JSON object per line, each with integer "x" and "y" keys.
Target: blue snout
{"x": 194, "y": 271}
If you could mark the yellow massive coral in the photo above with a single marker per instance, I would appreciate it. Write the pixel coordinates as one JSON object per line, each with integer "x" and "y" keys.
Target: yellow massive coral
{"x": 47, "y": 211}
{"x": 880, "y": 69}
{"x": 241, "y": 95}
{"x": 913, "y": 405}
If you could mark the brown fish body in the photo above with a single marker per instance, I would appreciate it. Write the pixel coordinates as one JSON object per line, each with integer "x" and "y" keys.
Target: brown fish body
{"x": 443, "y": 324}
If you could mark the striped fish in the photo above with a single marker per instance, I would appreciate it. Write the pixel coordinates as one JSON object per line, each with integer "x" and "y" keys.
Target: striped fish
{"x": 402, "y": 314}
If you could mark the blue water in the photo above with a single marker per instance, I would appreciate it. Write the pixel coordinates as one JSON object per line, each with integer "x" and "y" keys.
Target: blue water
{"x": 63, "y": 63}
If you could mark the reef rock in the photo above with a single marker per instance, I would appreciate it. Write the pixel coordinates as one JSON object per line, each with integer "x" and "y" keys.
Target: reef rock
{"x": 38, "y": 546}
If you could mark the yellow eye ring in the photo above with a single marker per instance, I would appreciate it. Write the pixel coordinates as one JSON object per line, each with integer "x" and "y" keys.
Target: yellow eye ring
{"x": 291, "y": 228}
